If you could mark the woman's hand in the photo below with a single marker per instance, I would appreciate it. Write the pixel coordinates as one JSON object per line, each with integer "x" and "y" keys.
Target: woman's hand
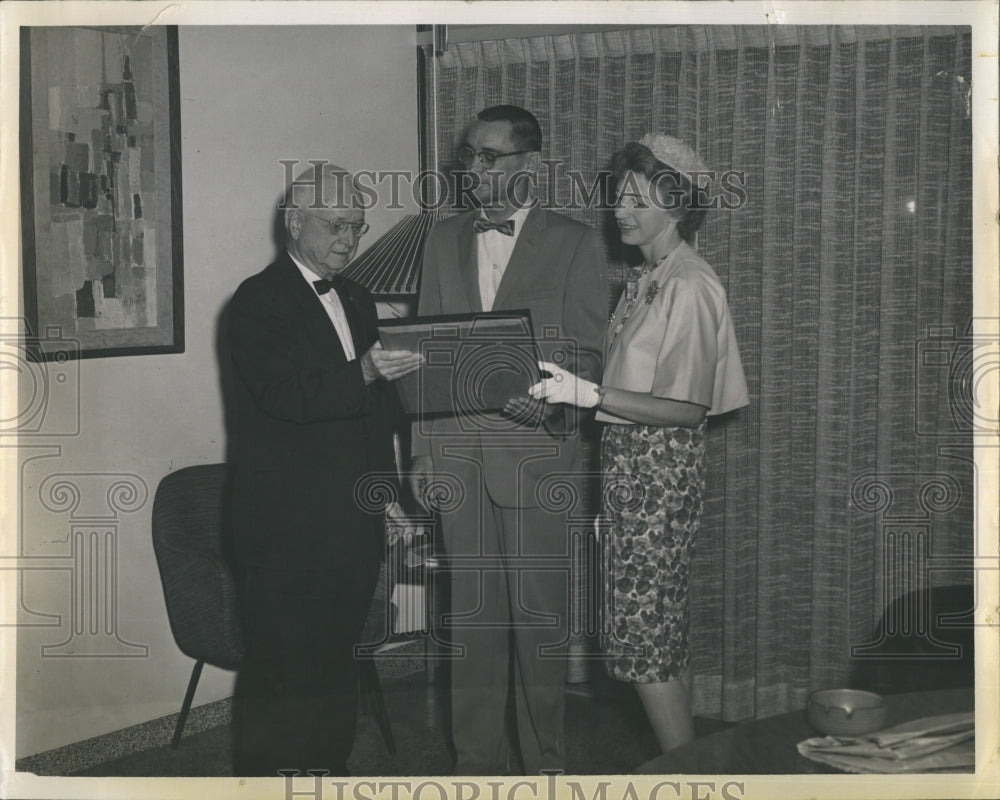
{"x": 564, "y": 387}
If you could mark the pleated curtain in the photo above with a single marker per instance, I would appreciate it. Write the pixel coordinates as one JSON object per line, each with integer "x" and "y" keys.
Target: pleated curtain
{"x": 849, "y": 477}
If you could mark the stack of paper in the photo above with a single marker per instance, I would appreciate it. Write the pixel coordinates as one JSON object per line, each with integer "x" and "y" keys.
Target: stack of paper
{"x": 945, "y": 742}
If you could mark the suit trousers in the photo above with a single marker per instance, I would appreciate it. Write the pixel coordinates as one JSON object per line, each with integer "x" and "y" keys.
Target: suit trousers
{"x": 296, "y": 699}
{"x": 510, "y": 585}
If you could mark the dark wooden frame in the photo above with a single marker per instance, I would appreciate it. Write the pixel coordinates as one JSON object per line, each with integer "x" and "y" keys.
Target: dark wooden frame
{"x": 49, "y": 339}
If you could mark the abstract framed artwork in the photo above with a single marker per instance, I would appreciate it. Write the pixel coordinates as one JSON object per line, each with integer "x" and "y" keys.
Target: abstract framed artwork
{"x": 102, "y": 245}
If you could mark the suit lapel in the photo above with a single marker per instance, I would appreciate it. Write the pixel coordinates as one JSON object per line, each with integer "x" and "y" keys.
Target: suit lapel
{"x": 313, "y": 313}
{"x": 523, "y": 262}
{"x": 468, "y": 263}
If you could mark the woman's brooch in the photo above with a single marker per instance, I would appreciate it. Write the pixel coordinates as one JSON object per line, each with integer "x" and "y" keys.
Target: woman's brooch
{"x": 651, "y": 292}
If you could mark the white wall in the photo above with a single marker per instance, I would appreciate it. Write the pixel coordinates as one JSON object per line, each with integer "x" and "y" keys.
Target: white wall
{"x": 249, "y": 98}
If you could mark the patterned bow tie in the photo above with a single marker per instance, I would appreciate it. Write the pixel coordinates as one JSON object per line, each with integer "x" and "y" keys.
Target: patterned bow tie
{"x": 481, "y": 225}
{"x": 323, "y": 285}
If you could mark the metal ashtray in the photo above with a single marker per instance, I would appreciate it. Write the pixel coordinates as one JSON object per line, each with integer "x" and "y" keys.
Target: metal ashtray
{"x": 847, "y": 712}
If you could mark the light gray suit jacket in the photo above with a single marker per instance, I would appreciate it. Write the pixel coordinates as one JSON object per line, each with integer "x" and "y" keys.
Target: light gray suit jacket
{"x": 558, "y": 272}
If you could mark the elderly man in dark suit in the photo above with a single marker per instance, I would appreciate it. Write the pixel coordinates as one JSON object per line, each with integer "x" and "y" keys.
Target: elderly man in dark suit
{"x": 313, "y": 417}
{"x": 510, "y": 254}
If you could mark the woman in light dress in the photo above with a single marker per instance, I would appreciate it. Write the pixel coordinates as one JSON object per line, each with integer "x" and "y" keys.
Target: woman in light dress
{"x": 671, "y": 360}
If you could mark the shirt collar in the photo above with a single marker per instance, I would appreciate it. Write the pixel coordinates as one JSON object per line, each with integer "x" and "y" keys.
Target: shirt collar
{"x": 307, "y": 273}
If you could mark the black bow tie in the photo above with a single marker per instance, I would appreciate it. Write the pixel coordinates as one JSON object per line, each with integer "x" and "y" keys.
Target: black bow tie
{"x": 324, "y": 285}
{"x": 481, "y": 225}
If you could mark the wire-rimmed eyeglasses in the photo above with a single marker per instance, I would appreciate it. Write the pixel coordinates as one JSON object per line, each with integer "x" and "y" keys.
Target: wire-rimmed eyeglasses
{"x": 338, "y": 227}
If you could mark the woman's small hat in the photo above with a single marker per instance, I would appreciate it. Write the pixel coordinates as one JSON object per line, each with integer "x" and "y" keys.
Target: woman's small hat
{"x": 674, "y": 153}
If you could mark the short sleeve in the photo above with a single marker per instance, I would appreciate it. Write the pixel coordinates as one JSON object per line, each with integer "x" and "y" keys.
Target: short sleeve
{"x": 686, "y": 362}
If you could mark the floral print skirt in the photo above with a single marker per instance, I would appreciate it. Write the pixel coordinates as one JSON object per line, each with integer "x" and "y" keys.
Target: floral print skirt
{"x": 653, "y": 482}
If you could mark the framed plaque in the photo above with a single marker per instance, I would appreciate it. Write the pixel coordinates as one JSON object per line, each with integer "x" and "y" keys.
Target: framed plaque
{"x": 473, "y": 363}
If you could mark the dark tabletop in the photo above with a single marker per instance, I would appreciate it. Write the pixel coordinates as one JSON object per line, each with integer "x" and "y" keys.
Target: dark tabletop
{"x": 767, "y": 746}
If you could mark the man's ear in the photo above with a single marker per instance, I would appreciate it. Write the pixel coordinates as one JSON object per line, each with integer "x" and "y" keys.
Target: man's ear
{"x": 293, "y": 223}
{"x": 534, "y": 161}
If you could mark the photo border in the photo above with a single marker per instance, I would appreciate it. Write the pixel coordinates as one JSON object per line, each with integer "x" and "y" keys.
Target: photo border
{"x": 982, "y": 16}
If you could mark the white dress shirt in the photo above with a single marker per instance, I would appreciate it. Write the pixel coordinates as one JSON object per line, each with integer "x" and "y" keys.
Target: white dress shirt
{"x": 333, "y": 307}
{"x": 493, "y": 251}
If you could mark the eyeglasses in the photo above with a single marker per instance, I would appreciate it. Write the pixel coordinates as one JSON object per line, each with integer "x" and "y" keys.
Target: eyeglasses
{"x": 467, "y": 156}
{"x": 338, "y": 227}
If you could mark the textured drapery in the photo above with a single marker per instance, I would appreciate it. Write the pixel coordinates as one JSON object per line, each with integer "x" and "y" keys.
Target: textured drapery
{"x": 848, "y": 480}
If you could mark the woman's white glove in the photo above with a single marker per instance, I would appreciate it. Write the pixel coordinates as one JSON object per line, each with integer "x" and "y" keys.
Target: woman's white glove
{"x": 565, "y": 387}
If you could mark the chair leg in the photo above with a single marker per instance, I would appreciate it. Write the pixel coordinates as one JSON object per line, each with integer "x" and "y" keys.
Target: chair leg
{"x": 186, "y": 705}
{"x": 371, "y": 691}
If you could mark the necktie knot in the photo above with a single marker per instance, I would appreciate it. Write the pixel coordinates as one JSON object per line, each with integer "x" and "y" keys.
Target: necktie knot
{"x": 482, "y": 224}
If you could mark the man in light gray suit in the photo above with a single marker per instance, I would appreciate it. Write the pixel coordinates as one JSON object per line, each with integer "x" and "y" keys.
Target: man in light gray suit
{"x": 506, "y": 613}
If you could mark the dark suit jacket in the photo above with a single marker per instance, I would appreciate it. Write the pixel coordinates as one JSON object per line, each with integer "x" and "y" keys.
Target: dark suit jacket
{"x": 305, "y": 430}
{"x": 557, "y": 271}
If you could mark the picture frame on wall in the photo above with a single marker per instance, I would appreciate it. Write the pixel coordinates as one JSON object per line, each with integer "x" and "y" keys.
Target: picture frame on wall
{"x": 102, "y": 244}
